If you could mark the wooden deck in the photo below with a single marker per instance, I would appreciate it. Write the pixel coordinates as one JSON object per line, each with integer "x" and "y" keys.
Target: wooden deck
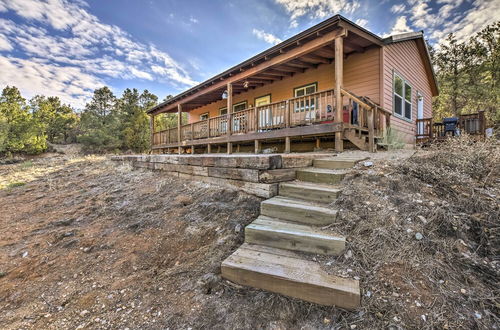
{"x": 429, "y": 131}
{"x": 311, "y": 115}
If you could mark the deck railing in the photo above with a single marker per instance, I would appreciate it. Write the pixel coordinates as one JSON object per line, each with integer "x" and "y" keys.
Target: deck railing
{"x": 473, "y": 124}
{"x": 311, "y": 109}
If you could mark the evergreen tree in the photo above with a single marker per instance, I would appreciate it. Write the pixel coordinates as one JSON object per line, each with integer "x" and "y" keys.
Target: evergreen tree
{"x": 100, "y": 123}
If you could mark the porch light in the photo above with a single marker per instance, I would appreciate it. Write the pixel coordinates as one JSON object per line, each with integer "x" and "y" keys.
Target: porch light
{"x": 224, "y": 95}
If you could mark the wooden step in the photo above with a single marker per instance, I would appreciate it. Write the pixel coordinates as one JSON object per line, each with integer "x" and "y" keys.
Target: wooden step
{"x": 313, "y": 192}
{"x": 284, "y": 272}
{"x": 320, "y": 175}
{"x": 337, "y": 163}
{"x": 297, "y": 211}
{"x": 359, "y": 142}
{"x": 292, "y": 236}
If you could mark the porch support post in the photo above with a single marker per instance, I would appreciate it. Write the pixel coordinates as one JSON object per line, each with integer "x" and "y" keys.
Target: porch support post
{"x": 192, "y": 150}
{"x": 152, "y": 129}
{"x": 339, "y": 83}
{"x": 257, "y": 146}
{"x": 209, "y": 148}
{"x": 179, "y": 122}
{"x": 229, "y": 91}
{"x": 318, "y": 143}
{"x": 287, "y": 145}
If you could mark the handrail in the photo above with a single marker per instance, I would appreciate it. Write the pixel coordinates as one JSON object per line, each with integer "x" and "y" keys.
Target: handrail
{"x": 308, "y": 109}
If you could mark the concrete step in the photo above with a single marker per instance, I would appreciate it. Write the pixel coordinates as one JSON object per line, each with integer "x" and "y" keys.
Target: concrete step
{"x": 286, "y": 273}
{"x": 313, "y": 192}
{"x": 337, "y": 163}
{"x": 297, "y": 211}
{"x": 291, "y": 236}
{"x": 320, "y": 175}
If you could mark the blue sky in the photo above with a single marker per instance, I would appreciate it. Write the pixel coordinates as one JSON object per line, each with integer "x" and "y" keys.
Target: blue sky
{"x": 69, "y": 48}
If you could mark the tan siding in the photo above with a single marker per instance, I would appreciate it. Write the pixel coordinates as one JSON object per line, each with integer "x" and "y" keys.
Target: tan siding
{"x": 404, "y": 58}
{"x": 361, "y": 76}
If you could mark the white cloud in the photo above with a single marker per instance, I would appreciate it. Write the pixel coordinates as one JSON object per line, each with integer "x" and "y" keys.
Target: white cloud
{"x": 421, "y": 16}
{"x": 317, "y": 8}
{"x": 267, "y": 37}
{"x": 397, "y": 9}
{"x": 463, "y": 25}
{"x": 5, "y": 44}
{"x": 36, "y": 76}
{"x": 78, "y": 39}
{"x": 141, "y": 74}
{"x": 401, "y": 26}
{"x": 193, "y": 20}
{"x": 361, "y": 22}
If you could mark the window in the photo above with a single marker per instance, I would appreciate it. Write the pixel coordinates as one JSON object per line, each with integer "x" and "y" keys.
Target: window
{"x": 239, "y": 106}
{"x": 305, "y": 104}
{"x": 305, "y": 90}
{"x": 204, "y": 116}
{"x": 402, "y": 97}
{"x": 223, "y": 111}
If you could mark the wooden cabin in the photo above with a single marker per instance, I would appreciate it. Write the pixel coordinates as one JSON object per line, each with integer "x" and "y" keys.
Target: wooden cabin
{"x": 334, "y": 85}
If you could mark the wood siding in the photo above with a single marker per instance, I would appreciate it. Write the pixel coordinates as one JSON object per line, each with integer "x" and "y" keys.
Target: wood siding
{"x": 405, "y": 59}
{"x": 361, "y": 76}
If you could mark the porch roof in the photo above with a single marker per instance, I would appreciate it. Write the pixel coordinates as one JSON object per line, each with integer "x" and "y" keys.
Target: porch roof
{"x": 306, "y": 50}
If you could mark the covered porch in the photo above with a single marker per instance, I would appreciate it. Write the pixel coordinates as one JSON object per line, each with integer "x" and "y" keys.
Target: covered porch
{"x": 334, "y": 113}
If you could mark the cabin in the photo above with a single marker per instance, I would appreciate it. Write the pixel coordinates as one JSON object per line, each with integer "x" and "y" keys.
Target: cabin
{"x": 335, "y": 85}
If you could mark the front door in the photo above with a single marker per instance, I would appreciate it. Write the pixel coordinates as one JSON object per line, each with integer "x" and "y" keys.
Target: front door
{"x": 265, "y": 116}
{"x": 420, "y": 113}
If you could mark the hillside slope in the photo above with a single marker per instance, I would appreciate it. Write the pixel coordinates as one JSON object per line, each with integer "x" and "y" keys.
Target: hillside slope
{"x": 86, "y": 243}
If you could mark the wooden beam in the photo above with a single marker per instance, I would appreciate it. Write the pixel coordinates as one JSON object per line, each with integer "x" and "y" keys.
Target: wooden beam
{"x": 339, "y": 77}
{"x": 277, "y": 72}
{"x": 179, "y": 124}
{"x": 315, "y": 58}
{"x": 229, "y": 104}
{"x": 257, "y": 146}
{"x": 290, "y": 69}
{"x": 302, "y": 64}
{"x": 287, "y": 145}
{"x": 294, "y": 53}
{"x": 152, "y": 127}
{"x": 350, "y": 44}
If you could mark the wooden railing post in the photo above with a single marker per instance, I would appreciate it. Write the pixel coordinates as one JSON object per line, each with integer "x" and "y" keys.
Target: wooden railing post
{"x": 339, "y": 77}
{"x": 371, "y": 130}
{"x": 482, "y": 123}
{"x": 287, "y": 113}
{"x": 179, "y": 123}
{"x": 152, "y": 128}
{"x": 229, "y": 91}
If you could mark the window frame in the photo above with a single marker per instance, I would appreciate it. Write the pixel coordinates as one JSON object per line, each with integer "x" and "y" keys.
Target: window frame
{"x": 222, "y": 109}
{"x": 240, "y": 103}
{"x": 305, "y": 107}
{"x": 403, "y": 97}
{"x": 203, "y": 114}
{"x": 295, "y": 89}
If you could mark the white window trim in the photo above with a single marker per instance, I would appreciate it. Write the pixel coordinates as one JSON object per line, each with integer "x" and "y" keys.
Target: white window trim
{"x": 240, "y": 103}
{"x": 402, "y": 116}
{"x": 222, "y": 109}
{"x": 205, "y": 113}
{"x": 296, "y": 89}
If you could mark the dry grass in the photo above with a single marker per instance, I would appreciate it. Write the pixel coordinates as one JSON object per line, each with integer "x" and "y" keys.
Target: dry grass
{"x": 449, "y": 277}
{"x": 138, "y": 249}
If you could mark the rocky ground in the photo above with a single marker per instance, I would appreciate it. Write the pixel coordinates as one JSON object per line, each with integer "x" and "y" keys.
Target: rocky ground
{"x": 89, "y": 244}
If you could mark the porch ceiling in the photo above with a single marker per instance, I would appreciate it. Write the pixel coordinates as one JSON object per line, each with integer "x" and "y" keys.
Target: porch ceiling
{"x": 308, "y": 50}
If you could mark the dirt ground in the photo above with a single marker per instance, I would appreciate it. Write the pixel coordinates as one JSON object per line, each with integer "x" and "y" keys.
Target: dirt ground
{"x": 86, "y": 243}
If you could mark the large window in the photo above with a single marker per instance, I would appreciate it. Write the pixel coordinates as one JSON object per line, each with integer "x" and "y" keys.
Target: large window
{"x": 305, "y": 104}
{"x": 402, "y": 97}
